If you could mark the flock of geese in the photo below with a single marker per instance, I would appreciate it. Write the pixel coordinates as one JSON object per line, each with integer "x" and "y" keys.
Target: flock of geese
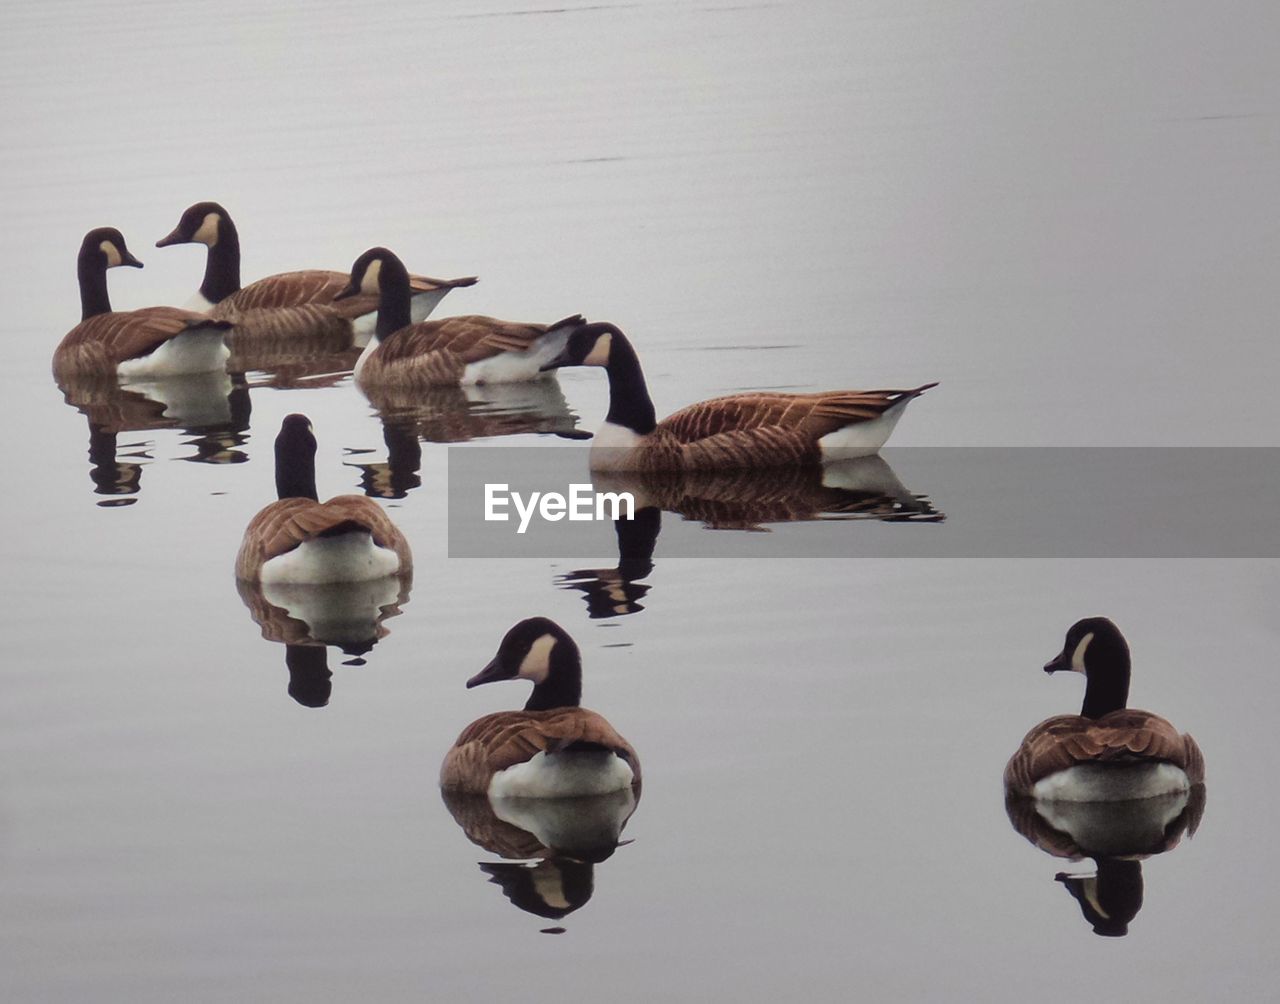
{"x": 553, "y": 748}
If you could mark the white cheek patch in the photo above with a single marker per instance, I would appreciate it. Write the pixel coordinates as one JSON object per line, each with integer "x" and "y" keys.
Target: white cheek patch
{"x": 208, "y": 232}
{"x": 537, "y": 663}
{"x": 369, "y": 284}
{"x": 1077, "y": 657}
{"x": 112, "y": 252}
{"x": 599, "y": 354}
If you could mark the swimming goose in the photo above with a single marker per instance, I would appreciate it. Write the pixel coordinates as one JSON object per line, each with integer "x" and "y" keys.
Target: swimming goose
{"x": 553, "y": 748}
{"x": 290, "y": 304}
{"x": 132, "y": 344}
{"x": 457, "y": 350}
{"x": 739, "y": 431}
{"x": 1108, "y": 752}
{"x": 299, "y": 539}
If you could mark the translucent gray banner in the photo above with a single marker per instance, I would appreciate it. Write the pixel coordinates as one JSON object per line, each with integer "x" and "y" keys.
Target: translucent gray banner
{"x": 910, "y": 503}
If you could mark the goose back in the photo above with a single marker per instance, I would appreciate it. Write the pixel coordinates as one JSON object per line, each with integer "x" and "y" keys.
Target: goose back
{"x": 288, "y": 523}
{"x": 101, "y": 343}
{"x": 506, "y": 739}
{"x": 1119, "y": 738}
{"x": 434, "y": 353}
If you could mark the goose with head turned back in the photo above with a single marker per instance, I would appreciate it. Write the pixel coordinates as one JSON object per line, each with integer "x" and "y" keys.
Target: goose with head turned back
{"x": 132, "y": 344}
{"x": 290, "y": 304}
{"x": 739, "y": 431}
{"x": 1108, "y": 752}
{"x": 553, "y": 748}
{"x": 299, "y": 539}
{"x": 469, "y": 349}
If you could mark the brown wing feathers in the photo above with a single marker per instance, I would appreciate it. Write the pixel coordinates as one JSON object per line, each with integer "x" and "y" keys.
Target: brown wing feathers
{"x": 495, "y": 742}
{"x": 1122, "y": 736}
{"x": 102, "y": 342}
{"x": 285, "y": 524}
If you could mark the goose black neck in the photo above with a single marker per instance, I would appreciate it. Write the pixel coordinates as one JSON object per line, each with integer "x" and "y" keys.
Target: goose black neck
{"x": 562, "y": 687}
{"x": 1108, "y": 676}
{"x": 222, "y": 266}
{"x": 295, "y": 469}
{"x": 92, "y": 271}
{"x": 629, "y": 401}
{"x": 393, "y": 299}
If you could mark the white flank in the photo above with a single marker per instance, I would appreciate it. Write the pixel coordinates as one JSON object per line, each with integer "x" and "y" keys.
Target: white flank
{"x": 350, "y": 557}
{"x": 1096, "y": 783}
{"x": 513, "y": 367}
{"x": 861, "y": 438}
{"x": 202, "y": 350}
{"x": 563, "y": 775}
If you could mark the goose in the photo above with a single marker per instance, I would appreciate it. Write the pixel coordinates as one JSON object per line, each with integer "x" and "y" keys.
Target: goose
{"x": 1108, "y": 752}
{"x": 289, "y": 304}
{"x": 299, "y": 539}
{"x": 739, "y": 431}
{"x": 132, "y": 344}
{"x": 469, "y": 349}
{"x": 553, "y": 748}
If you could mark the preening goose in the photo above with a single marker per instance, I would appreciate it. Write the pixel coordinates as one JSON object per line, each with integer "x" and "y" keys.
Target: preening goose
{"x": 290, "y": 304}
{"x": 132, "y": 344}
{"x": 1108, "y": 752}
{"x": 739, "y": 431}
{"x": 457, "y": 350}
{"x": 299, "y": 539}
{"x": 553, "y": 748}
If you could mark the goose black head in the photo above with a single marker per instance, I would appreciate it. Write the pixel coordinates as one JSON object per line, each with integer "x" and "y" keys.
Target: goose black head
{"x": 296, "y": 458}
{"x": 202, "y": 223}
{"x": 105, "y": 248}
{"x": 529, "y": 651}
{"x": 1088, "y": 645}
{"x": 370, "y": 270}
{"x": 590, "y": 345}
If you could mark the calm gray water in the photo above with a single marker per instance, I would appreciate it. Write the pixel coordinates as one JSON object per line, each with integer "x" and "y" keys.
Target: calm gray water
{"x": 1066, "y": 212}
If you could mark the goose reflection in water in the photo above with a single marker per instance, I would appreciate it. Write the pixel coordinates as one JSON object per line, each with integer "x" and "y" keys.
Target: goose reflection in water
{"x": 550, "y": 845}
{"x": 456, "y": 414}
{"x": 865, "y": 488}
{"x": 213, "y": 408}
{"x": 1117, "y": 835}
{"x": 307, "y": 618}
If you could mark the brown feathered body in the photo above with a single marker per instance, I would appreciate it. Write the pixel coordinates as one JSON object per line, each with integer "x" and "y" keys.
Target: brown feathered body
{"x": 1120, "y": 738}
{"x": 290, "y": 522}
{"x": 99, "y": 344}
{"x": 436, "y": 353}
{"x": 754, "y": 430}
{"x": 300, "y": 306}
{"x": 507, "y": 738}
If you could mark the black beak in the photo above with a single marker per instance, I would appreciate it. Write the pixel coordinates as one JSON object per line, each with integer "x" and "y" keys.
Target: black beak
{"x": 1058, "y": 663}
{"x": 173, "y": 238}
{"x": 127, "y": 259}
{"x": 493, "y": 671}
{"x": 351, "y": 289}
{"x": 561, "y": 360}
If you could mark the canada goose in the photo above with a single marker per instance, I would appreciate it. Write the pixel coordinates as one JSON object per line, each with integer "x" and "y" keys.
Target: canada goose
{"x": 299, "y": 539}
{"x": 738, "y": 431}
{"x": 132, "y": 344}
{"x": 553, "y": 748}
{"x": 290, "y": 304}
{"x": 469, "y": 349}
{"x": 1108, "y": 752}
